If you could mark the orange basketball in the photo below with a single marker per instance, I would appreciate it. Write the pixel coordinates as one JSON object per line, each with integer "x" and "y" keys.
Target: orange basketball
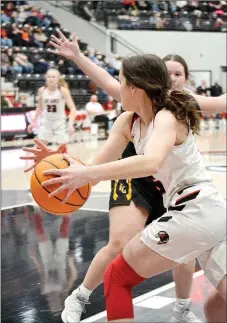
{"x": 53, "y": 204}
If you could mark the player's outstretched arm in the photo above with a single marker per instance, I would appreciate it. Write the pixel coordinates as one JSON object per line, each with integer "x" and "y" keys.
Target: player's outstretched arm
{"x": 70, "y": 49}
{"x": 210, "y": 105}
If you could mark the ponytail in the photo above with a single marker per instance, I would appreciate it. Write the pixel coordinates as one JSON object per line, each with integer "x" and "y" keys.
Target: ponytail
{"x": 184, "y": 107}
{"x": 62, "y": 82}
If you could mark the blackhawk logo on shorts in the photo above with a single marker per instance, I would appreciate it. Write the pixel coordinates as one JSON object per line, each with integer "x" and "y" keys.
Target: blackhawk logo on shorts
{"x": 163, "y": 236}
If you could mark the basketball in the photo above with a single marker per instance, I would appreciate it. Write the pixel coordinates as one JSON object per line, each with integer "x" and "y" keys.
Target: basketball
{"x": 54, "y": 204}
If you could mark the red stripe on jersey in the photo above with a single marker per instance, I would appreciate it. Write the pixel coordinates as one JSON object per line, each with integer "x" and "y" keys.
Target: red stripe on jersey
{"x": 187, "y": 197}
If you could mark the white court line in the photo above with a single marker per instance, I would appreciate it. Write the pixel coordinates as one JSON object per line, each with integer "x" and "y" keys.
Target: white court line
{"x": 94, "y": 210}
{"x": 17, "y": 205}
{"x": 33, "y": 203}
{"x": 141, "y": 298}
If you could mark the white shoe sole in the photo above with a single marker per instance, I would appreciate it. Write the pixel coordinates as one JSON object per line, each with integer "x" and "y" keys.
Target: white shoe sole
{"x": 63, "y": 316}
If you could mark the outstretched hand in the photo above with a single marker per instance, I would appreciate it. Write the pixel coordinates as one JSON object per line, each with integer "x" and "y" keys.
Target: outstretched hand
{"x": 63, "y": 46}
{"x": 40, "y": 152}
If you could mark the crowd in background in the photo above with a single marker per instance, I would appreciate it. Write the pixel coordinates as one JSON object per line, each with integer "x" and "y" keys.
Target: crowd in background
{"x": 24, "y": 38}
{"x": 191, "y": 15}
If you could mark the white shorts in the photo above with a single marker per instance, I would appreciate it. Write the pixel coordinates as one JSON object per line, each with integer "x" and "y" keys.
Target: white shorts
{"x": 193, "y": 227}
{"x": 53, "y": 131}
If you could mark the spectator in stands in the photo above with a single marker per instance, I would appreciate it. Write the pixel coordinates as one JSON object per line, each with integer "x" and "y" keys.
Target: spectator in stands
{"x": 5, "y": 63}
{"x": 129, "y": 4}
{"x": 40, "y": 37}
{"x": 94, "y": 108}
{"x": 5, "y": 40}
{"x": 114, "y": 62}
{"x": 21, "y": 15}
{"x": 159, "y": 23}
{"x": 8, "y": 62}
{"x": 5, "y": 102}
{"x": 21, "y": 102}
{"x": 40, "y": 64}
{"x": 62, "y": 66}
{"x": 96, "y": 113}
{"x": 21, "y": 60}
{"x": 4, "y": 17}
{"x": 17, "y": 35}
{"x": 110, "y": 105}
{"x": 27, "y": 37}
{"x": 9, "y": 9}
{"x": 92, "y": 56}
{"x": 216, "y": 90}
{"x": 203, "y": 89}
{"x": 181, "y": 4}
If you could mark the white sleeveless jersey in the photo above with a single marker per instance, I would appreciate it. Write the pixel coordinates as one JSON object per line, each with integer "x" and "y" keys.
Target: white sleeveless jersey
{"x": 183, "y": 167}
{"x": 53, "y": 105}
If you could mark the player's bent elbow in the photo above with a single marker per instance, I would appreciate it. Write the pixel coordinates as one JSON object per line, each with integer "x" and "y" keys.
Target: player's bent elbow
{"x": 152, "y": 167}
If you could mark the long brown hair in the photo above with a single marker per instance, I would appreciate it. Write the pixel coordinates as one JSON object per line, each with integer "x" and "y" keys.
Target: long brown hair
{"x": 149, "y": 72}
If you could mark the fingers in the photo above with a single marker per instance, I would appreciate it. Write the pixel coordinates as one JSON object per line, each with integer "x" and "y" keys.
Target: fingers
{"x": 30, "y": 168}
{"x": 53, "y": 51}
{"x": 58, "y": 190}
{"x": 28, "y": 157}
{"x": 69, "y": 159}
{"x": 57, "y": 172}
{"x": 61, "y": 148}
{"x": 62, "y": 36}
{"x": 56, "y": 40}
{"x": 54, "y": 45}
{"x": 40, "y": 144}
{"x": 31, "y": 150}
{"x": 69, "y": 193}
{"x": 74, "y": 37}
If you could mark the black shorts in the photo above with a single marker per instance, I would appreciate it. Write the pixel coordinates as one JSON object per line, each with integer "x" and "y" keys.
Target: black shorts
{"x": 142, "y": 191}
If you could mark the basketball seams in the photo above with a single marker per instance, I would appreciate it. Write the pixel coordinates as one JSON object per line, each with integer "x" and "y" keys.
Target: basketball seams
{"x": 82, "y": 193}
{"x": 57, "y": 198}
{"x": 78, "y": 190}
{"x": 47, "y": 161}
{"x": 57, "y": 213}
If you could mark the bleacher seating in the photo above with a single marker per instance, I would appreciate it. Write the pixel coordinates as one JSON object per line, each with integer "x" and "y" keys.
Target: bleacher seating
{"x": 159, "y": 15}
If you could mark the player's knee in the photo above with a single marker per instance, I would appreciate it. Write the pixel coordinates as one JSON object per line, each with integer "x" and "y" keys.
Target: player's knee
{"x": 215, "y": 307}
{"x": 222, "y": 288}
{"x": 113, "y": 276}
{"x": 116, "y": 245}
{"x": 119, "y": 273}
{"x": 108, "y": 277}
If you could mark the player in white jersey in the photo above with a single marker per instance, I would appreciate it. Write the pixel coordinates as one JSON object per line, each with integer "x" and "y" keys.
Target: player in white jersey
{"x": 188, "y": 229}
{"x": 71, "y": 50}
{"x": 51, "y": 107}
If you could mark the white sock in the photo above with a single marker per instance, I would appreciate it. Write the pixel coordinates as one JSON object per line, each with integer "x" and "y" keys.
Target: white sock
{"x": 183, "y": 301}
{"x": 85, "y": 291}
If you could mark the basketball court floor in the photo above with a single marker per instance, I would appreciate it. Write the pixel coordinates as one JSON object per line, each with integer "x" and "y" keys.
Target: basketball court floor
{"x": 44, "y": 257}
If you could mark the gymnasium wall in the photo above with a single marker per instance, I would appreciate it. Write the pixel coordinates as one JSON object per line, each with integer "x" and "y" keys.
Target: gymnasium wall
{"x": 201, "y": 50}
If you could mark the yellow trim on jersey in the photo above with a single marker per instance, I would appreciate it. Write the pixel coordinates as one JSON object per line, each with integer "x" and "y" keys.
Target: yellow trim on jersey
{"x": 115, "y": 195}
{"x": 122, "y": 189}
{"x": 129, "y": 194}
